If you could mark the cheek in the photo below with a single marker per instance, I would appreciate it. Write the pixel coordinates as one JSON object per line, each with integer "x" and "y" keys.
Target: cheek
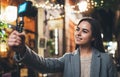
{"x": 87, "y": 37}
{"x": 75, "y": 32}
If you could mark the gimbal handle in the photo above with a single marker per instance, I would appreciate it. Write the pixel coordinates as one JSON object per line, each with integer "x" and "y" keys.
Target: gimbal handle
{"x": 20, "y": 25}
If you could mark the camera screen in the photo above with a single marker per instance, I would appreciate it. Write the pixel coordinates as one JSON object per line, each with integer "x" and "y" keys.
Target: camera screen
{"x": 22, "y": 8}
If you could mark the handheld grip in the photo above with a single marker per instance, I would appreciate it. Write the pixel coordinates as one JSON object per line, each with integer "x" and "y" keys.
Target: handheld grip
{"x": 20, "y": 25}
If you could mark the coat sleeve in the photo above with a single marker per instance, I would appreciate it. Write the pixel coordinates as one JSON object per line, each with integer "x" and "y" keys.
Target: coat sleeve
{"x": 112, "y": 71}
{"x": 43, "y": 65}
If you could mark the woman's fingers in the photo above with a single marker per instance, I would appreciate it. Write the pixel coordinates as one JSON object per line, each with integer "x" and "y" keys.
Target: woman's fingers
{"x": 16, "y": 39}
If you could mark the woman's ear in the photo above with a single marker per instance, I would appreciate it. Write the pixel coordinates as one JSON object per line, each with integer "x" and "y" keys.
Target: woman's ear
{"x": 93, "y": 39}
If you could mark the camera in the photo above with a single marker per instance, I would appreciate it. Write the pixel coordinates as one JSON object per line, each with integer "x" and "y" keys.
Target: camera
{"x": 25, "y": 9}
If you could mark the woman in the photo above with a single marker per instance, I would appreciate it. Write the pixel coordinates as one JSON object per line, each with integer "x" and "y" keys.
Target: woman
{"x": 88, "y": 60}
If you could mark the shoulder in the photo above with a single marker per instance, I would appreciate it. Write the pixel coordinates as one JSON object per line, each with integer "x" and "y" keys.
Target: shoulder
{"x": 72, "y": 53}
{"x": 69, "y": 54}
{"x": 104, "y": 56}
{"x": 101, "y": 54}
{"x": 107, "y": 60}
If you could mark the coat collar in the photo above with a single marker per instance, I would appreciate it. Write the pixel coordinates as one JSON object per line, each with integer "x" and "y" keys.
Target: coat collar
{"x": 95, "y": 63}
{"x": 75, "y": 61}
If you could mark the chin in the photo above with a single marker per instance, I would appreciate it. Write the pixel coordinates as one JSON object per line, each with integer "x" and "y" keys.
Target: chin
{"x": 78, "y": 43}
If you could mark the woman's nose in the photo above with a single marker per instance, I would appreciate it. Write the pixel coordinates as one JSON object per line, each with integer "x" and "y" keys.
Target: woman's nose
{"x": 79, "y": 33}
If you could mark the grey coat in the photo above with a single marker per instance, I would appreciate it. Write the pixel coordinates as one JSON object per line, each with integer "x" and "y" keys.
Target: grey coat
{"x": 69, "y": 64}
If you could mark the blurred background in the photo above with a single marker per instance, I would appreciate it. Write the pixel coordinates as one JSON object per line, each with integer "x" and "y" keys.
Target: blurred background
{"x": 49, "y": 27}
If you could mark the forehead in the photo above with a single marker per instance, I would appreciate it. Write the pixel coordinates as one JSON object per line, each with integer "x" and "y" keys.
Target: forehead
{"x": 85, "y": 24}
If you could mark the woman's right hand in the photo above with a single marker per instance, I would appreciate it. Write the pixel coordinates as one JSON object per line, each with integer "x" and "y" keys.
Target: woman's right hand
{"x": 16, "y": 41}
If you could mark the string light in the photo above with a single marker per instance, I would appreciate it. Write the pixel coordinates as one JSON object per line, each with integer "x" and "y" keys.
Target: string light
{"x": 82, "y": 6}
{"x": 85, "y": 5}
{"x": 48, "y": 5}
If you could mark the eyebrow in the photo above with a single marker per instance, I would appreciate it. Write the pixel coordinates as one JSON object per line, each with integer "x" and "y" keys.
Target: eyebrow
{"x": 82, "y": 28}
{"x": 85, "y": 29}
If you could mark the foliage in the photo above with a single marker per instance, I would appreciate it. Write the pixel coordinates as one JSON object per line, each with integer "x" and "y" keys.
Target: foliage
{"x": 51, "y": 46}
{"x": 3, "y": 33}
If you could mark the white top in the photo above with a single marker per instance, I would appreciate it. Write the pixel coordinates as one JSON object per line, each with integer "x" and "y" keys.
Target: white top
{"x": 85, "y": 66}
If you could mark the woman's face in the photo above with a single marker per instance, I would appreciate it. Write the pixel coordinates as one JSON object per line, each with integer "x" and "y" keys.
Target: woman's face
{"x": 83, "y": 34}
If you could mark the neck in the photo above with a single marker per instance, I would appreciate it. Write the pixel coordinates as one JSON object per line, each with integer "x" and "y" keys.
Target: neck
{"x": 85, "y": 51}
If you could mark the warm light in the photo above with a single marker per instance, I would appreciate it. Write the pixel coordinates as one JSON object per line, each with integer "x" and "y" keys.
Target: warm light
{"x": 83, "y": 6}
{"x": 3, "y": 49}
{"x": 56, "y": 41}
{"x": 53, "y": 24}
{"x": 10, "y": 14}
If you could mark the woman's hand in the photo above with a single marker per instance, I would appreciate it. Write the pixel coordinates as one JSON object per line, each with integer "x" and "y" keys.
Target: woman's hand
{"x": 16, "y": 41}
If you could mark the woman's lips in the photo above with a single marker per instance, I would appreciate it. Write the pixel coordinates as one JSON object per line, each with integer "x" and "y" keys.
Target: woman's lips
{"x": 78, "y": 39}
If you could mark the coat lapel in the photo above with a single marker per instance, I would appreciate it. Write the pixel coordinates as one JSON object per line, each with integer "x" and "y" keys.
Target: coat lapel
{"x": 95, "y": 65}
{"x": 75, "y": 60}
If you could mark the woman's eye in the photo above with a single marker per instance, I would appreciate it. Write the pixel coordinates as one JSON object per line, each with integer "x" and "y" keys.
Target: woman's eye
{"x": 77, "y": 29}
{"x": 85, "y": 31}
